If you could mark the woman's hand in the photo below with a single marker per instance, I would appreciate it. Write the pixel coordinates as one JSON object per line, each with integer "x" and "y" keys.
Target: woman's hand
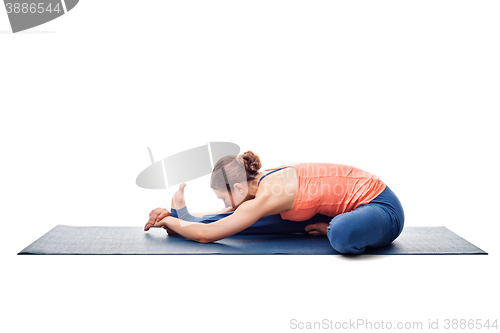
{"x": 170, "y": 231}
{"x": 160, "y": 224}
{"x": 155, "y": 216}
{"x": 158, "y": 214}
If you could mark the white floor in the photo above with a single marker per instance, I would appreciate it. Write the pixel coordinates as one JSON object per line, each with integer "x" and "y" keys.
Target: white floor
{"x": 244, "y": 293}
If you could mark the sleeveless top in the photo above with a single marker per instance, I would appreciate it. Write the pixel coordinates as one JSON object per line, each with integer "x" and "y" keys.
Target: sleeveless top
{"x": 329, "y": 189}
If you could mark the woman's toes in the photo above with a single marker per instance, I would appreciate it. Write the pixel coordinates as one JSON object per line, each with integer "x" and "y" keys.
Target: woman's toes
{"x": 309, "y": 227}
{"x": 178, "y": 197}
{"x": 317, "y": 228}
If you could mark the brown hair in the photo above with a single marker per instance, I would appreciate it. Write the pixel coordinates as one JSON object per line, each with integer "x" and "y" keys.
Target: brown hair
{"x": 234, "y": 169}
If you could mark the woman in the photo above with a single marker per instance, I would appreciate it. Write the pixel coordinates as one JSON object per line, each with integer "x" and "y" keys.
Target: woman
{"x": 364, "y": 212}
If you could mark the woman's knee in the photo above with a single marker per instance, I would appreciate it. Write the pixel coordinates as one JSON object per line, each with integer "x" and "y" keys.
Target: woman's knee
{"x": 343, "y": 240}
{"x": 345, "y": 247}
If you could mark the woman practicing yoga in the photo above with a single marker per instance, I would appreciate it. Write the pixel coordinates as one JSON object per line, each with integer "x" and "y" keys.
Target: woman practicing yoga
{"x": 356, "y": 209}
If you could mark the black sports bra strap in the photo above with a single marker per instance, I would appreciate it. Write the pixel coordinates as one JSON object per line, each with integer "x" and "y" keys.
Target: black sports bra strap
{"x": 270, "y": 172}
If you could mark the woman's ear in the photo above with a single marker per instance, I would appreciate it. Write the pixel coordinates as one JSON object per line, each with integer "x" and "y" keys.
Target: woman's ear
{"x": 238, "y": 187}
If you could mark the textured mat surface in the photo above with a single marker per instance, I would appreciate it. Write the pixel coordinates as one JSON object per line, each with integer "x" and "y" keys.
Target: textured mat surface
{"x": 133, "y": 240}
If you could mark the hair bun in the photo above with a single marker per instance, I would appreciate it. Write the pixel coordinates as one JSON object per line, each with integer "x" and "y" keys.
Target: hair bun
{"x": 252, "y": 162}
{"x": 226, "y": 172}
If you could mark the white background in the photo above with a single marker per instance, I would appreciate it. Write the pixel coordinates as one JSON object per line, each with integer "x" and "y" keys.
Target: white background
{"x": 407, "y": 90}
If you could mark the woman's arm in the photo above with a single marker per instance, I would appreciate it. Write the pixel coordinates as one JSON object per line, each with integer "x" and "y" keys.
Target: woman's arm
{"x": 220, "y": 211}
{"x": 247, "y": 214}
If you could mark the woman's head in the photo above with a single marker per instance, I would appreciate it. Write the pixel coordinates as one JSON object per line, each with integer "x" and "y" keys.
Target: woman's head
{"x": 232, "y": 176}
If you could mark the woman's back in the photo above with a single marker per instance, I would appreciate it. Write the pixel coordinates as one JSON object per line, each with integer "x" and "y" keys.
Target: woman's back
{"x": 323, "y": 188}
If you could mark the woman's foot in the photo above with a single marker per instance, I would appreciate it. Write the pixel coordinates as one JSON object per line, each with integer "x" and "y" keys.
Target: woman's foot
{"x": 178, "y": 201}
{"x": 317, "y": 228}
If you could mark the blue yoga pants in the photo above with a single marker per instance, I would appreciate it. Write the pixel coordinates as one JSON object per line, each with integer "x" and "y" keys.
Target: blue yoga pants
{"x": 375, "y": 224}
{"x": 272, "y": 224}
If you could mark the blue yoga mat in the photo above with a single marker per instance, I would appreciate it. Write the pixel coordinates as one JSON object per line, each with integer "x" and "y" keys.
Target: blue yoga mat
{"x": 133, "y": 240}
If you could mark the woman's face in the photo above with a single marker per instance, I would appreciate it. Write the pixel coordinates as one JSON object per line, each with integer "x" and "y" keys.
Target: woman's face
{"x": 236, "y": 198}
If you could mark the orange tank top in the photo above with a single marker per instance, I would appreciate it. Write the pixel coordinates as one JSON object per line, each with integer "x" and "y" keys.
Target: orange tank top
{"x": 330, "y": 189}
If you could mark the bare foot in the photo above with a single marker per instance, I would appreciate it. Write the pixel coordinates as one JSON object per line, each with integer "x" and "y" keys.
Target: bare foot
{"x": 170, "y": 231}
{"x": 178, "y": 201}
{"x": 317, "y": 228}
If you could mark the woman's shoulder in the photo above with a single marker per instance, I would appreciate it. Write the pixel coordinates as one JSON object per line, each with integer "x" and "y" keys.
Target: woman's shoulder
{"x": 271, "y": 183}
{"x": 278, "y": 190}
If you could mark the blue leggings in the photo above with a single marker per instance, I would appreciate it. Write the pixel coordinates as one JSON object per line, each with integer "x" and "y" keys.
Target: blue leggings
{"x": 375, "y": 224}
{"x": 272, "y": 224}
